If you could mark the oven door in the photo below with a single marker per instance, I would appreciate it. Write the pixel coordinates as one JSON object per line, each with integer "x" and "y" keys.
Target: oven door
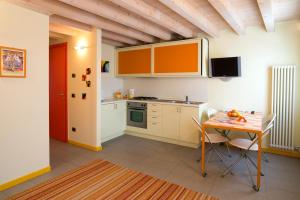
{"x": 137, "y": 117}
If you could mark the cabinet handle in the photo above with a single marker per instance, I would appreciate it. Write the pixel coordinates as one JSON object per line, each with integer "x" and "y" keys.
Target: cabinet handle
{"x": 153, "y": 123}
{"x": 153, "y": 111}
{"x": 154, "y": 117}
{"x": 178, "y": 109}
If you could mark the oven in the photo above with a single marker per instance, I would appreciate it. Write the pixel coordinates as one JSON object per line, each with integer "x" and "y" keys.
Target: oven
{"x": 137, "y": 114}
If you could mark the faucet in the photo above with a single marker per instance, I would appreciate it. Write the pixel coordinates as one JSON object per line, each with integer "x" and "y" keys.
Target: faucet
{"x": 186, "y": 98}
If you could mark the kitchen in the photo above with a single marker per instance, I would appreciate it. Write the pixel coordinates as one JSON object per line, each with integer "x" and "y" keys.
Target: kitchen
{"x": 150, "y": 116}
{"x": 127, "y": 86}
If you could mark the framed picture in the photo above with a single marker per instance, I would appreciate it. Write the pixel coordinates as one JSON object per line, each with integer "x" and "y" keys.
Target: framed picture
{"x": 12, "y": 62}
{"x": 104, "y": 66}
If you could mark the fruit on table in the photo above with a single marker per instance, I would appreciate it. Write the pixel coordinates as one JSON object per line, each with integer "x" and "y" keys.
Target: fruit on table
{"x": 241, "y": 118}
{"x": 233, "y": 113}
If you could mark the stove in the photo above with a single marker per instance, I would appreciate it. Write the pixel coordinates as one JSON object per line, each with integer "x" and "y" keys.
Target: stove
{"x": 144, "y": 98}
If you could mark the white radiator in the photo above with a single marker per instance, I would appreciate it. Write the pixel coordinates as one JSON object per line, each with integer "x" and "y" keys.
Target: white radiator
{"x": 283, "y": 105}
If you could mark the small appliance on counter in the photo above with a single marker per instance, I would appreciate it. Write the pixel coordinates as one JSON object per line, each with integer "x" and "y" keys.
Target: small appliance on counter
{"x": 131, "y": 93}
{"x": 118, "y": 95}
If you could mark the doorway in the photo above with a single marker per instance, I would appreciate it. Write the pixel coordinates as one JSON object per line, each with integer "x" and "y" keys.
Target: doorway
{"x": 58, "y": 121}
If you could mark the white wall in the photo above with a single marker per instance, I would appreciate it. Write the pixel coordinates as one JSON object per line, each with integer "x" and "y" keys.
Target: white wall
{"x": 110, "y": 83}
{"x": 82, "y": 114}
{"x": 259, "y": 51}
{"x": 169, "y": 88}
{"x": 24, "y": 102}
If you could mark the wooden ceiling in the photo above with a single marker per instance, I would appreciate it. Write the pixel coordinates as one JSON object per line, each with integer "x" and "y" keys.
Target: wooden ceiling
{"x": 134, "y": 22}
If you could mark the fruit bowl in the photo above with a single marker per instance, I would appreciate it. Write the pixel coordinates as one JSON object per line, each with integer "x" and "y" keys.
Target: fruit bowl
{"x": 234, "y": 114}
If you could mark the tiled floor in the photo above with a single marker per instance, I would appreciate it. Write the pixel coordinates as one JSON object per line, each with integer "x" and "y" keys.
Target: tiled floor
{"x": 177, "y": 164}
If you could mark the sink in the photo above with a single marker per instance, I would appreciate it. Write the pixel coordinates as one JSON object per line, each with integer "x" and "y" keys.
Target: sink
{"x": 165, "y": 100}
{"x": 179, "y": 101}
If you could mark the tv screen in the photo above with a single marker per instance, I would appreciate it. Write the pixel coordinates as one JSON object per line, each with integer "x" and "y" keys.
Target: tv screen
{"x": 226, "y": 67}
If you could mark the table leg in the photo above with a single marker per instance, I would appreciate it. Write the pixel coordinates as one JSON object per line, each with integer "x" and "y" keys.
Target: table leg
{"x": 257, "y": 187}
{"x": 203, "y": 152}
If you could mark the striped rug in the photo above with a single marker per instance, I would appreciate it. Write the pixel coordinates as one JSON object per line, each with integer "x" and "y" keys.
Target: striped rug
{"x": 104, "y": 180}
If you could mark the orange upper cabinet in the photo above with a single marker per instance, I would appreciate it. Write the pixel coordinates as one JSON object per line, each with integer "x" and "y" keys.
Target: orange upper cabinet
{"x": 183, "y": 58}
{"x": 177, "y": 58}
{"x": 135, "y": 61}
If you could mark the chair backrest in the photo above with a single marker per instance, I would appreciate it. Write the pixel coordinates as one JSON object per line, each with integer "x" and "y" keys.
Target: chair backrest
{"x": 266, "y": 127}
{"x": 268, "y": 121}
{"x": 200, "y": 128}
{"x": 211, "y": 112}
{"x": 198, "y": 123}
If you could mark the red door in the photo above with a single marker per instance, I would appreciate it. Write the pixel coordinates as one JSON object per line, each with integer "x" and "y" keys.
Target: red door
{"x": 58, "y": 91}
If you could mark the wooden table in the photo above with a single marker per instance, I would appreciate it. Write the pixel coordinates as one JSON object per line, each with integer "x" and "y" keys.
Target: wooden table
{"x": 222, "y": 121}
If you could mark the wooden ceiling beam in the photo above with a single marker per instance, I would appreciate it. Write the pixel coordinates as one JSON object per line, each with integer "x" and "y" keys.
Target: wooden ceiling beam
{"x": 56, "y": 35}
{"x": 119, "y": 38}
{"x": 71, "y": 27}
{"x": 119, "y": 15}
{"x": 67, "y": 11}
{"x": 228, "y": 12}
{"x": 36, "y": 8}
{"x": 265, "y": 7}
{"x": 150, "y": 13}
{"x": 187, "y": 11}
{"x": 112, "y": 42}
{"x": 62, "y": 30}
{"x": 55, "y": 19}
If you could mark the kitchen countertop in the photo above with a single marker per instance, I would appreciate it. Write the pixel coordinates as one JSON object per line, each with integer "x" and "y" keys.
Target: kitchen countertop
{"x": 112, "y": 100}
{"x": 161, "y": 101}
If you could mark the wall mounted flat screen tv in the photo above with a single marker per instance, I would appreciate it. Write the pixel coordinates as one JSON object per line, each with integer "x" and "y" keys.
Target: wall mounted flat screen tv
{"x": 226, "y": 67}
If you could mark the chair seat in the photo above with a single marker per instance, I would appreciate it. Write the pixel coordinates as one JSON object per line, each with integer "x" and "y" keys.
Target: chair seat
{"x": 243, "y": 144}
{"x": 216, "y": 138}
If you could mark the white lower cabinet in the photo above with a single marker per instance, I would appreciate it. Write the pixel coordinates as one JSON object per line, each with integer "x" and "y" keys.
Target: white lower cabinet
{"x": 178, "y": 124}
{"x": 113, "y": 120}
{"x": 171, "y": 118}
{"x": 188, "y": 131}
{"x": 154, "y": 125}
{"x": 172, "y": 123}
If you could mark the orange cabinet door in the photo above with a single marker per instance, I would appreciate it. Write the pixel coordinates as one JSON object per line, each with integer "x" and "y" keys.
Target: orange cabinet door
{"x": 179, "y": 58}
{"x": 134, "y": 61}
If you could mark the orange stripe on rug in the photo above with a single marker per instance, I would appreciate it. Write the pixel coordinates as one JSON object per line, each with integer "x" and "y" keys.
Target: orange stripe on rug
{"x": 104, "y": 180}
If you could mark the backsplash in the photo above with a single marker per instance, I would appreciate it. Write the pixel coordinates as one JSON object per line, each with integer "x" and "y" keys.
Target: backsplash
{"x": 169, "y": 88}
